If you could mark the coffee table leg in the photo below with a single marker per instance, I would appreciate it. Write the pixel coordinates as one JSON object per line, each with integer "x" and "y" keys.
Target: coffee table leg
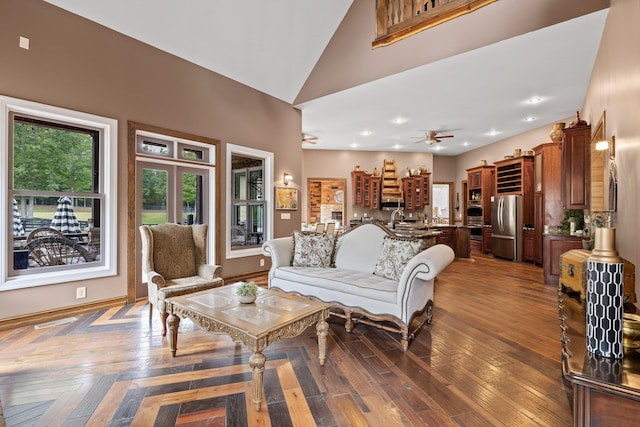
{"x": 322, "y": 329}
{"x": 174, "y": 322}
{"x": 257, "y": 367}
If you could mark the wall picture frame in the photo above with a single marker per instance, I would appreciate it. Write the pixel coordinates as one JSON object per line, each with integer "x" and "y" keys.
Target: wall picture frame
{"x": 286, "y": 199}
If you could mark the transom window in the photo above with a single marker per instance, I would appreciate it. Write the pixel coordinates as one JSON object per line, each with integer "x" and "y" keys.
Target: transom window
{"x": 61, "y": 220}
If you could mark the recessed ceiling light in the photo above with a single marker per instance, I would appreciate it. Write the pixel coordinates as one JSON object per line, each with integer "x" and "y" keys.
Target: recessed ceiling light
{"x": 354, "y": 145}
{"x": 492, "y": 132}
{"x": 397, "y": 146}
{"x": 366, "y": 133}
{"x": 529, "y": 119}
{"x": 466, "y": 143}
{"x": 535, "y": 100}
{"x": 399, "y": 120}
{"x": 438, "y": 148}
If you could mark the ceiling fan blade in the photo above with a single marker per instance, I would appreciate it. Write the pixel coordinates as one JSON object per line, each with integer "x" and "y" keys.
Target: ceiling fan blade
{"x": 444, "y": 136}
{"x": 309, "y": 139}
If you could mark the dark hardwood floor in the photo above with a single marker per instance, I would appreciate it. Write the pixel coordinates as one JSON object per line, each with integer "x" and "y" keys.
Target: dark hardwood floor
{"x": 490, "y": 357}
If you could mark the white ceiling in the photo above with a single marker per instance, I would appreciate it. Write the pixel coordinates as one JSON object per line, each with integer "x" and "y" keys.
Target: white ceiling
{"x": 274, "y": 46}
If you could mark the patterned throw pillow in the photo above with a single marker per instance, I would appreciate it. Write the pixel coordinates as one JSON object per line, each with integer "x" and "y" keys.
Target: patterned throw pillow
{"x": 395, "y": 254}
{"x": 313, "y": 250}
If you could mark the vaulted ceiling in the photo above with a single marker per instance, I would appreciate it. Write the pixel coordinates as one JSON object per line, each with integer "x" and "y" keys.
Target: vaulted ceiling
{"x": 475, "y": 77}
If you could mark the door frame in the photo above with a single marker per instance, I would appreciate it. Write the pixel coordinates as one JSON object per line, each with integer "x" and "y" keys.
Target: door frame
{"x": 133, "y": 244}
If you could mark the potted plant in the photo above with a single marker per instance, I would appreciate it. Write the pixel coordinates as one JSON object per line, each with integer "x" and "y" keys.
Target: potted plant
{"x": 247, "y": 292}
{"x": 575, "y": 216}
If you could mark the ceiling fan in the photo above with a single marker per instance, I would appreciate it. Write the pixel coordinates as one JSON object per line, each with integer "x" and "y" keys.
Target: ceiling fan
{"x": 307, "y": 139}
{"x": 432, "y": 136}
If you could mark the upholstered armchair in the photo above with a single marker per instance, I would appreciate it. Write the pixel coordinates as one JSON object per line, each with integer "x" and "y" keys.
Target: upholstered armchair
{"x": 174, "y": 259}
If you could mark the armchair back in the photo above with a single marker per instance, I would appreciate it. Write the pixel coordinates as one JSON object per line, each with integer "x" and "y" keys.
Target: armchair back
{"x": 174, "y": 250}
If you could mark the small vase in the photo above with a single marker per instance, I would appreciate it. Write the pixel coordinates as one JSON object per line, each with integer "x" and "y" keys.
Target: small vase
{"x": 556, "y": 132}
{"x": 246, "y": 299}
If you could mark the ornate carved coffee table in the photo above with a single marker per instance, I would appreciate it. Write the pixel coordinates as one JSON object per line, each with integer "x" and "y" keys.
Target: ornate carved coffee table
{"x": 274, "y": 315}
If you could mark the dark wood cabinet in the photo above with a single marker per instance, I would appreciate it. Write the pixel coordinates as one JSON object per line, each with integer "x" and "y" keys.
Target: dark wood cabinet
{"x": 474, "y": 179}
{"x": 447, "y": 236}
{"x": 357, "y": 187}
{"x": 576, "y": 167}
{"x": 548, "y": 192}
{"x": 371, "y": 198}
{"x": 486, "y": 238}
{"x": 555, "y": 245}
{"x": 528, "y": 235}
{"x": 413, "y": 192}
{"x": 365, "y": 190}
{"x": 538, "y": 224}
{"x": 425, "y": 193}
{"x": 516, "y": 176}
{"x": 480, "y": 181}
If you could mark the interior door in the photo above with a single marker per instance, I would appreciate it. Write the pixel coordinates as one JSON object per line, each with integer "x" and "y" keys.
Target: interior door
{"x": 168, "y": 192}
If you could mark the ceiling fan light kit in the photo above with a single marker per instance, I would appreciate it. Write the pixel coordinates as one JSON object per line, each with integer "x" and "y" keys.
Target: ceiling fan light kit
{"x": 432, "y": 137}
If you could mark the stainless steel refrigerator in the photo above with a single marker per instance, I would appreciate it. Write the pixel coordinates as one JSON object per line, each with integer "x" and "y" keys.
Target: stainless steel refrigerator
{"x": 506, "y": 227}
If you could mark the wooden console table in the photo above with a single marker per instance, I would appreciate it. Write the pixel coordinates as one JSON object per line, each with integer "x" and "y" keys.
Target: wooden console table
{"x": 606, "y": 392}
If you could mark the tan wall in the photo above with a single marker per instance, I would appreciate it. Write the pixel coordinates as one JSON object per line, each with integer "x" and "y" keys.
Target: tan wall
{"x": 339, "y": 164}
{"x": 74, "y": 63}
{"x": 615, "y": 88}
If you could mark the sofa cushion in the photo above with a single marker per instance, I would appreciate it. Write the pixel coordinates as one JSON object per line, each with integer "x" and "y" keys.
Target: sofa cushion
{"x": 395, "y": 254}
{"x": 313, "y": 250}
{"x": 336, "y": 281}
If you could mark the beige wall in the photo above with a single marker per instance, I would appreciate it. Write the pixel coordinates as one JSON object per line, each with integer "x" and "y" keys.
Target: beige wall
{"x": 74, "y": 63}
{"x": 615, "y": 88}
{"x": 339, "y": 164}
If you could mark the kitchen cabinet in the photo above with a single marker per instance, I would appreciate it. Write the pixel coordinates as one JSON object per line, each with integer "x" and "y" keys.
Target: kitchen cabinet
{"x": 480, "y": 182}
{"x": 357, "y": 187}
{"x": 371, "y": 198}
{"x": 576, "y": 167}
{"x": 516, "y": 176}
{"x": 447, "y": 236}
{"x": 412, "y": 191}
{"x": 486, "y": 238}
{"x": 426, "y": 188}
{"x": 365, "y": 190}
{"x": 474, "y": 179}
{"x": 528, "y": 245}
{"x": 538, "y": 224}
{"x": 548, "y": 192}
{"x": 555, "y": 245}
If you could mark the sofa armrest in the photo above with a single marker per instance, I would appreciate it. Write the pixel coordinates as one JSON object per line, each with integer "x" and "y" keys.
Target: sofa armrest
{"x": 280, "y": 250}
{"x": 428, "y": 263}
{"x": 209, "y": 271}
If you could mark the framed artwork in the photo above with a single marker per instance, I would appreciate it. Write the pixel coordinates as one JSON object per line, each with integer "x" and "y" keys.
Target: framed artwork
{"x": 286, "y": 198}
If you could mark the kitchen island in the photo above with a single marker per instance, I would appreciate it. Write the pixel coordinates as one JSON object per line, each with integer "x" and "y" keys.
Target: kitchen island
{"x": 455, "y": 236}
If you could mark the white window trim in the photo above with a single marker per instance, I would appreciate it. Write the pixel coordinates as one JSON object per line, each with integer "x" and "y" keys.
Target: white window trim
{"x": 267, "y": 157}
{"x": 108, "y": 180}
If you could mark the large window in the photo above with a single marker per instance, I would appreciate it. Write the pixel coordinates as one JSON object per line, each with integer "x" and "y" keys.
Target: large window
{"x": 249, "y": 219}
{"x": 58, "y": 194}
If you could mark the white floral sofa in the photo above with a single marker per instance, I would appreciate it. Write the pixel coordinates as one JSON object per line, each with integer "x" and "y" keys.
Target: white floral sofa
{"x": 365, "y": 272}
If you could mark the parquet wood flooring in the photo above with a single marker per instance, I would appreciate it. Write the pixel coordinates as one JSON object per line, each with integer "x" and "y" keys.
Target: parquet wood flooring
{"x": 490, "y": 357}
